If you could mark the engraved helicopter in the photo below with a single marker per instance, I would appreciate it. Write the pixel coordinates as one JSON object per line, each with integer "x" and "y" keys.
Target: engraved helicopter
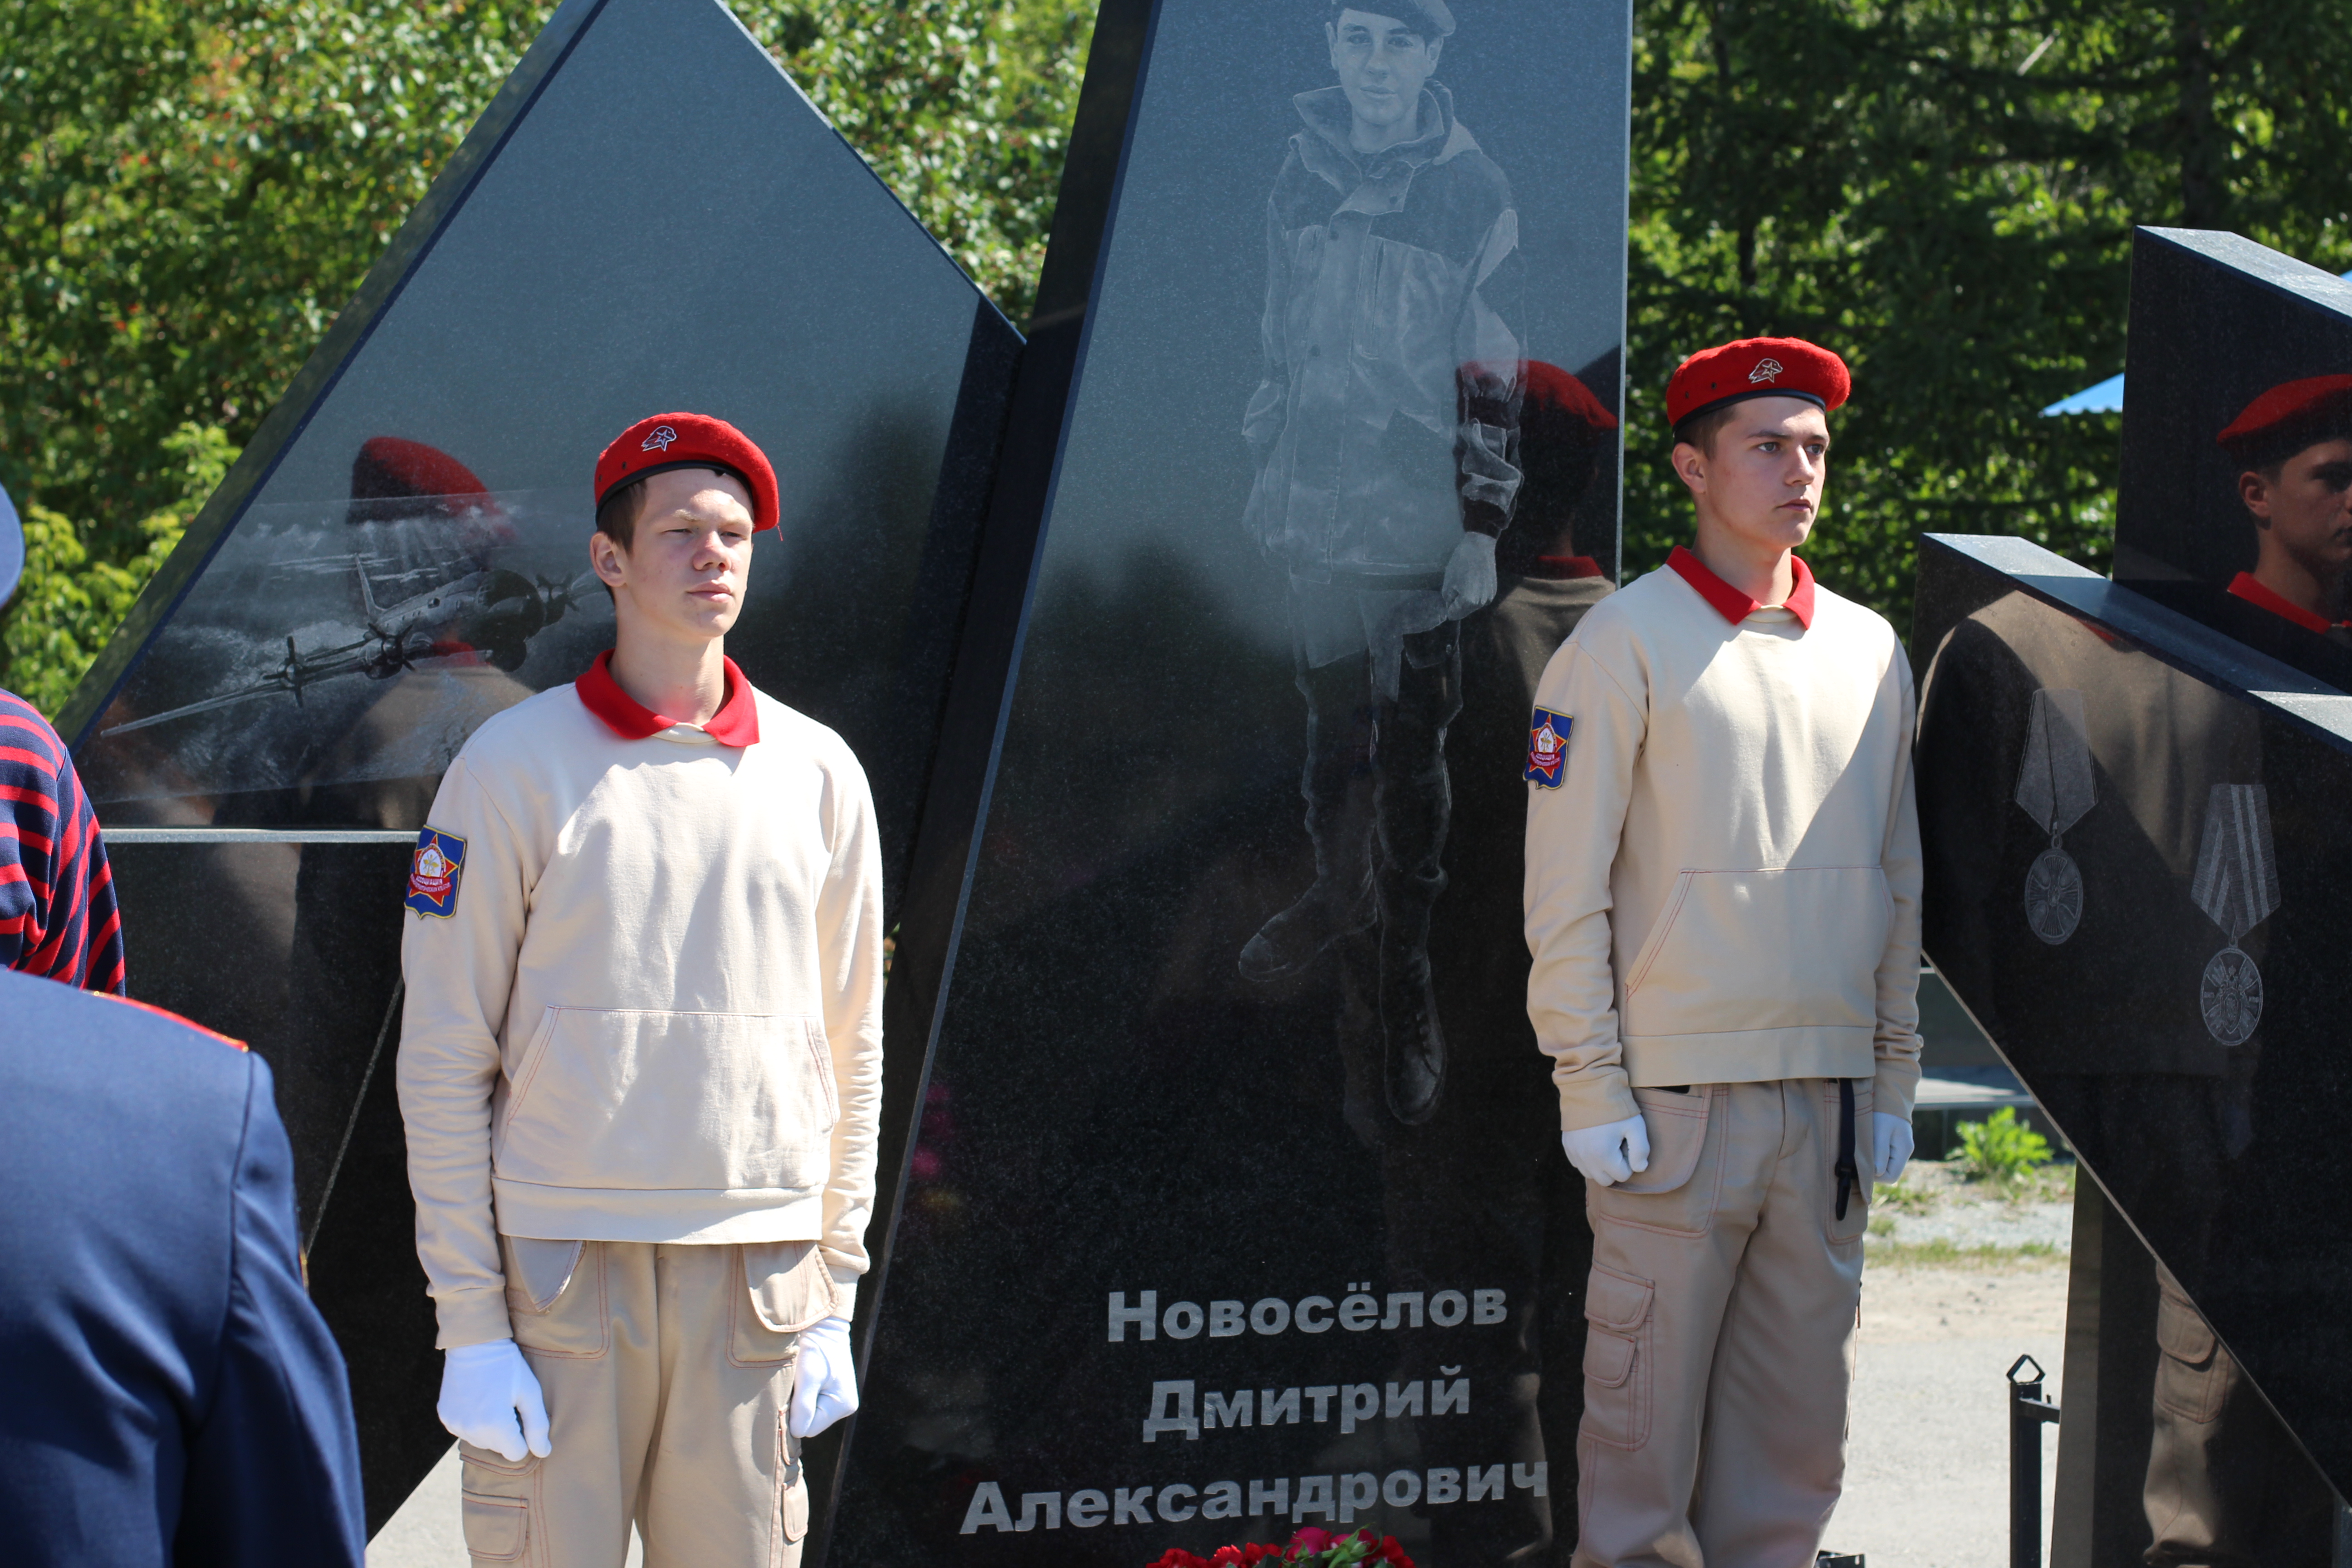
{"x": 492, "y": 614}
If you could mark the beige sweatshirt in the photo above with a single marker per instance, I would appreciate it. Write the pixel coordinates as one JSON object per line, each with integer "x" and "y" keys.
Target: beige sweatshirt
{"x": 652, "y": 1008}
{"x": 1724, "y": 885}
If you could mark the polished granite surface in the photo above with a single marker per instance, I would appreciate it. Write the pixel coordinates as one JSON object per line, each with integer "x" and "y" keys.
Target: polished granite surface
{"x": 1179, "y": 1236}
{"x": 2137, "y": 848}
{"x": 401, "y": 553}
{"x": 2218, "y": 321}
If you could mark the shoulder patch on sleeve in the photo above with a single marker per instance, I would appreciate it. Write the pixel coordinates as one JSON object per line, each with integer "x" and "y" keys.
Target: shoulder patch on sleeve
{"x": 1547, "y": 748}
{"x": 432, "y": 873}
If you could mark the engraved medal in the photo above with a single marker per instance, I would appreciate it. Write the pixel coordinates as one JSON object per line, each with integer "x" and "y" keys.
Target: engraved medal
{"x": 2237, "y": 887}
{"x": 2056, "y": 787}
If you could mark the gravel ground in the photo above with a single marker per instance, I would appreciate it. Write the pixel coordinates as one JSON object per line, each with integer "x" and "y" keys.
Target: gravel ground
{"x": 1933, "y": 1207}
{"x": 1926, "y": 1480}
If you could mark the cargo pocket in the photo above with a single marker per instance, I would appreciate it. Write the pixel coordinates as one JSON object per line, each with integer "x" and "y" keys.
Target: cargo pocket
{"x": 1676, "y": 1195}
{"x": 555, "y": 1296}
{"x": 1617, "y": 1360}
{"x": 498, "y": 1530}
{"x": 494, "y": 1505}
{"x": 1846, "y": 1231}
{"x": 783, "y": 1289}
{"x": 2193, "y": 1375}
{"x": 792, "y": 1494}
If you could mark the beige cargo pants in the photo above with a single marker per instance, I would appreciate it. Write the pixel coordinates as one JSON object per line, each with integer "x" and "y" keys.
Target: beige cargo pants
{"x": 667, "y": 1370}
{"x": 1719, "y": 1333}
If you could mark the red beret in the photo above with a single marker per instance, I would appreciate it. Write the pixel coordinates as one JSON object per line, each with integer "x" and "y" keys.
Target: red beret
{"x": 391, "y": 469}
{"x": 1548, "y": 387}
{"x": 390, "y": 476}
{"x": 2286, "y": 403}
{"x": 1756, "y": 367}
{"x": 689, "y": 441}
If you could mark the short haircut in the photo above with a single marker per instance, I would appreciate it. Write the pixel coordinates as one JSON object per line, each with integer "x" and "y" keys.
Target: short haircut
{"x": 2266, "y": 451}
{"x": 620, "y": 512}
{"x": 1701, "y": 428}
{"x": 616, "y": 516}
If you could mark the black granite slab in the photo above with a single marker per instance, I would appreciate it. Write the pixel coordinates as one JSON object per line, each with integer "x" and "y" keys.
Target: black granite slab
{"x": 2137, "y": 852}
{"x": 649, "y": 217}
{"x": 2216, "y": 321}
{"x": 1113, "y": 1107}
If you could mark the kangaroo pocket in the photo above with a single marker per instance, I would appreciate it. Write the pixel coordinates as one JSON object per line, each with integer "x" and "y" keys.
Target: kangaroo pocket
{"x": 1787, "y": 949}
{"x": 640, "y": 1100}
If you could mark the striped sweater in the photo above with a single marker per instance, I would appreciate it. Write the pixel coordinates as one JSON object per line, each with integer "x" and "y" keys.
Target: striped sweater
{"x": 58, "y": 916}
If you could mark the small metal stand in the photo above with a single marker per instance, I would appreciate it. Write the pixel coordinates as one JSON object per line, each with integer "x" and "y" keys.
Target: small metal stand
{"x": 2028, "y": 1413}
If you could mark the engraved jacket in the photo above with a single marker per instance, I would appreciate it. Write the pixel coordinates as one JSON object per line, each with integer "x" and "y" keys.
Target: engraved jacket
{"x": 1379, "y": 272}
{"x": 647, "y": 1006}
{"x": 1724, "y": 885}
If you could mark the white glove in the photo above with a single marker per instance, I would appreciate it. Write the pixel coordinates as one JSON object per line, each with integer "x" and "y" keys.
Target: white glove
{"x": 1611, "y": 1154}
{"x": 1890, "y": 1144}
{"x": 1469, "y": 575}
{"x": 826, "y": 1387}
{"x": 485, "y": 1389}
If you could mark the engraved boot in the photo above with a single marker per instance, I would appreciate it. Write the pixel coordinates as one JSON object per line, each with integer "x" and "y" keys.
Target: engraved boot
{"x": 1415, "y": 1055}
{"x": 1339, "y": 903}
{"x": 1413, "y": 804}
{"x": 1337, "y": 786}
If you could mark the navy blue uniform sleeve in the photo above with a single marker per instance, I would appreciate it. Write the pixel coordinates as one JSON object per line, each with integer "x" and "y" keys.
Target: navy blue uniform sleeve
{"x": 273, "y": 1463}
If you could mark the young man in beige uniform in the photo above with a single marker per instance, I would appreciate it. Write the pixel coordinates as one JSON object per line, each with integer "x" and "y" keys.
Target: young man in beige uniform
{"x": 640, "y": 1063}
{"x": 1723, "y": 907}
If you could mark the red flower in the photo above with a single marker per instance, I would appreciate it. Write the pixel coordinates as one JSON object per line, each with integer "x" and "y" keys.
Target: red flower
{"x": 1176, "y": 1557}
{"x": 1228, "y": 1557}
{"x": 1391, "y": 1551}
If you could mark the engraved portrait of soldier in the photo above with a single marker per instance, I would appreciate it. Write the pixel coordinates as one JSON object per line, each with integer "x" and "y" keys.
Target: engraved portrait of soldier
{"x": 1382, "y": 483}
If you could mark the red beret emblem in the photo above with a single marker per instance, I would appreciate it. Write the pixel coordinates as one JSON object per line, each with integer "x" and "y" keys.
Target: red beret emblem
{"x": 1776, "y": 367}
{"x": 682, "y": 440}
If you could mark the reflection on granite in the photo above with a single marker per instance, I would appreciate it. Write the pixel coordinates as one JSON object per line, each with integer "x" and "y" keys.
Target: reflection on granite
{"x": 1175, "y": 1230}
{"x": 2175, "y": 993}
{"x": 2217, "y": 321}
{"x": 398, "y": 556}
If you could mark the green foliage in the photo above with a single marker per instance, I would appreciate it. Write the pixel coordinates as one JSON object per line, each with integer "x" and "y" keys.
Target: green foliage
{"x": 1944, "y": 191}
{"x": 189, "y": 191}
{"x": 193, "y": 189}
{"x": 2001, "y": 1149}
{"x": 963, "y": 107}
{"x": 1945, "y": 1253}
{"x": 1892, "y": 1198}
{"x": 69, "y": 604}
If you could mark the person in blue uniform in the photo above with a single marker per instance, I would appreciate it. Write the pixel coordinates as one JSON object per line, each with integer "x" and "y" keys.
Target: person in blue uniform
{"x": 168, "y": 1395}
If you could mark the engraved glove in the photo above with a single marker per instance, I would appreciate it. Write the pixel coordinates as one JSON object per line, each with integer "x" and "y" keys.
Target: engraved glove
{"x": 1890, "y": 1144}
{"x": 826, "y": 1387}
{"x": 489, "y": 1398}
{"x": 1610, "y": 1153}
{"x": 1469, "y": 575}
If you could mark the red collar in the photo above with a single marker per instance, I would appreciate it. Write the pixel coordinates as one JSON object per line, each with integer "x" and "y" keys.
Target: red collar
{"x": 2245, "y": 586}
{"x": 736, "y": 722}
{"x": 1734, "y": 606}
{"x": 1565, "y": 568}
